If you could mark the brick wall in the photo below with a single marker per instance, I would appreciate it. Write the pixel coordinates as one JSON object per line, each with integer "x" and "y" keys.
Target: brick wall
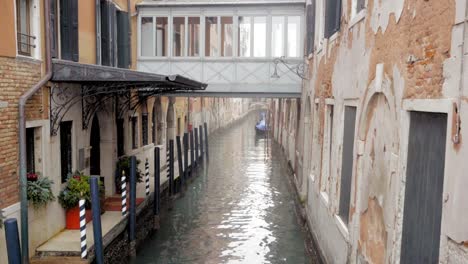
{"x": 16, "y": 76}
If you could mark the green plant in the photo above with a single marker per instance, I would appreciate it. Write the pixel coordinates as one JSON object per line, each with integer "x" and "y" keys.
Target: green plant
{"x": 77, "y": 187}
{"x": 124, "y": 165}
{"x": 40, "y": 192}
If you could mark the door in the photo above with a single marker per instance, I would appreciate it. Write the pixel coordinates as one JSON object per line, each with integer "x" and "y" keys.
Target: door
{"x": 424, "y": 187}
{"x": 95, "y": 142}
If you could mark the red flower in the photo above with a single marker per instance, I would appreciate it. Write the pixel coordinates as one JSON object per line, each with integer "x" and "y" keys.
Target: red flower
{"x": 31, "y": 176}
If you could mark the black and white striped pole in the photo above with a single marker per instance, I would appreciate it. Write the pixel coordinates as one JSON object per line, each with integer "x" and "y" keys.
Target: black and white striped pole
{"x": 84, "y": 251}
{"x": 124, "y": 193}
{"x": 147, "y": 178}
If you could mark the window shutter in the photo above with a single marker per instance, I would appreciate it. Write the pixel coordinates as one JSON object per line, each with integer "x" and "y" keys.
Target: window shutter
{"x": 113, "y": 33}
{"x": 65, "y": 30}
{"x": 310, "y": 27}
{"x": 53, "y": 29}
{"x": 333, "y": 17}
{"x": 74, "y": 30}
{"x": 123, "y": 48}
{"x": 98, "y": 32}
{"x": 105, "y": 33}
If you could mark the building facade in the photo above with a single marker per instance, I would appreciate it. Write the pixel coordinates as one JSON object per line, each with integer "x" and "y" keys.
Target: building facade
{"x": 380, "y": 159}
{"x": 93, "y": 110}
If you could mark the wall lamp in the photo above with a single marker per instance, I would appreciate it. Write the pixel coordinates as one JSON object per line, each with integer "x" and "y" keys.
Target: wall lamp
{"x": 300, "y": 69}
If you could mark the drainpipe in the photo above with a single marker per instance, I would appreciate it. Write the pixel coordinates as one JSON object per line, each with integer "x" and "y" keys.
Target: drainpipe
{"x": 22, "y": 135}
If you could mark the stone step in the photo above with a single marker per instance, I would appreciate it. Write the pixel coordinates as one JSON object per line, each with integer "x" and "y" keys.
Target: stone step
{"x": 58, "y": 260}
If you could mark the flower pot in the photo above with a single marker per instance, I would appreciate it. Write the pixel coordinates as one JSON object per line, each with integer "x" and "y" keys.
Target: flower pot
{"x": 73, "y": 217}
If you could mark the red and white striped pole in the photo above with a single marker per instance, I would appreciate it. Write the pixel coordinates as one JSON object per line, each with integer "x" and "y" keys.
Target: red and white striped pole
{"x": 124, "y": 194}
{"x": 84, "y": 252}
{"x": 147, "y": 178}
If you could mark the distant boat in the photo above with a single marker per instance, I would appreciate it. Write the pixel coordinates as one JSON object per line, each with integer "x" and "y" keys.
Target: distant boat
{"x": 261, "y": 127}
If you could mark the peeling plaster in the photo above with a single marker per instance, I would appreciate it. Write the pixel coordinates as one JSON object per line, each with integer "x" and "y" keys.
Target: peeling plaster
{"x": 381, "y": 13}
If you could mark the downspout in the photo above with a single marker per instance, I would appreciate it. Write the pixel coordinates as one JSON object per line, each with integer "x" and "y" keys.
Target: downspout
{"x": 22, "y": 135}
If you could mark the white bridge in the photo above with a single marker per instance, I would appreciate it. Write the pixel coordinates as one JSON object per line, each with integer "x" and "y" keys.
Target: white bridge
{"x": 230, "y": 45}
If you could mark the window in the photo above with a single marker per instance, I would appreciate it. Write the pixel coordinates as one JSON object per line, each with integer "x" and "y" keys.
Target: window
{"x": 23, "y": 27}
{"x": 259, "y": 36}
{"x": 332, "y": 17}
{"x": 277, "y": 36}
{"x": 347, "y": 162}
{"x": 69, "y": 30}
{"x": 226, "y": 36}
{"x": 134, "y": 123}
{"x": 179, "y": 36}
{"x": 147, "y": 40}
{"x": 211, "y": 37}
{"x": 310, "y": 27}
{"x": 30, "y": 157}
{"x": 194, "y": 36}
{"x": 161, "y": 37}
{"x": 294, "y": 36}
{"x": 66, "y": 149}
{"x": 327, "y": 150}
{"x": 144, "y": 129}
{"x": 245, "y": 33}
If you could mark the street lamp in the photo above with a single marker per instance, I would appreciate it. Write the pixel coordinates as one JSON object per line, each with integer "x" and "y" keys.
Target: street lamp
{"x": 299, "y": 69}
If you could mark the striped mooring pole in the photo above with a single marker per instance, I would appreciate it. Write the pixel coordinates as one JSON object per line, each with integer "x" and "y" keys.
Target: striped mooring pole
{"x": 84, "y": 251}
{"x": 168, "y": 167}
{"x": 124, "y": 193}
{"x": 147, "y": 178}
{"x": 157, "y": 184}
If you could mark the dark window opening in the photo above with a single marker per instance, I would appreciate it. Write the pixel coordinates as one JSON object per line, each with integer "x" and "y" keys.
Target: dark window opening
{"x": 120, "y": 137}
{"x": 53, "y": 29}
{"x": 144, "y": 129}
{"x": 66, "y": 149}
{"x": 347, "y": 162}
{"x": 134, "y": 121}
{"x": 332, "y": 17}
{"x": 30, "y": 157}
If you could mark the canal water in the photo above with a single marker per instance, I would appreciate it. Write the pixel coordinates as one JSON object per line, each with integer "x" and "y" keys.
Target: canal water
{"x": 239, "y": 209}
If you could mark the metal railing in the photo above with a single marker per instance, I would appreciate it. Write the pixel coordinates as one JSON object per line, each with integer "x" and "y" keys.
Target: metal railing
{"x": 25, "y": 43}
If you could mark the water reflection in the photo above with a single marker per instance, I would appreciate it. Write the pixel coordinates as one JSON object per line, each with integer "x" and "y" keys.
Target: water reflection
{"x": 239, "y": 210}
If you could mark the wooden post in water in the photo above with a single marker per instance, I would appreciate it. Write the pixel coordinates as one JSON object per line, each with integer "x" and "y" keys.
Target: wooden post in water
{"x": 157, "y": 186}
{"x": 206, "y": 141}
{"x": 180, "y": 162}
{"x": 200, "y": 128}
{"x": 132, "y": 218}
{"x": 197, "y": 156}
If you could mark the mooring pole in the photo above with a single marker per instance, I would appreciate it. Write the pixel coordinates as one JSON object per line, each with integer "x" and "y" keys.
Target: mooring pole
{"x": 12, "y": 241}
{"x": 192, "y": 154}
{"x": 197, "y": 156}
{"x": 171, "y": 167}
{"x": 206, "y": 141}
{"x": 180, "y": 162}
{"x": 185, "y": 156}
{"x": 157, "y": 184}
{"x": 97, "y": 228}
{"x": 200, "y": 128}
{"x": 132, "y": 218}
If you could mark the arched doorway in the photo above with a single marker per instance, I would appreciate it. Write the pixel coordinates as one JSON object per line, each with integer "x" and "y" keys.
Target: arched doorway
{"x": 95, "y": 143}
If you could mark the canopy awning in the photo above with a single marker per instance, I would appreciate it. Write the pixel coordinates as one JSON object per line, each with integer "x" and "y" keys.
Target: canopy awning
{"x": 128, "y": 89}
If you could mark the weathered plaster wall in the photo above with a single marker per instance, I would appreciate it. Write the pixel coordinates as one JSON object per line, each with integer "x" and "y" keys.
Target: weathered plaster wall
{"x": 87, "y": 32}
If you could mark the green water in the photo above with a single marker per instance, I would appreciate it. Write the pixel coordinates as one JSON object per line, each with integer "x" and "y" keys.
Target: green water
{"x": 239, "y": 209}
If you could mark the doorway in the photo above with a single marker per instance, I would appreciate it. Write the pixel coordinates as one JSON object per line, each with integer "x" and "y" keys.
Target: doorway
{"x": 95, "y": 143}
{"x": 422, "y": 214}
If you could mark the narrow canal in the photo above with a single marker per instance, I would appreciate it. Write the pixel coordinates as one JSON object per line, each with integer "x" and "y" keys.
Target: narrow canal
{"x": 239, "y": 209}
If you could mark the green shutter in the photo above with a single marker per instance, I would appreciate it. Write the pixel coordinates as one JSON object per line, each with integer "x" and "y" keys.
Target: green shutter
{"x": 123, "y": 48}
{"x": 69, "y": 29}
{"x": 105, "y": 33}
{"x": 332, "y": 17}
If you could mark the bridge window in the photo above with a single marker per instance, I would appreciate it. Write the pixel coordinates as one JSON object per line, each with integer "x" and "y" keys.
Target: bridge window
{"x": 161, "y": 36}
{"x": 294, "y": 36}
{"x": 259, "y": 36}
{"x": 194, "y": 36}
{"x": 227, "y": 36}
{"x": 245, "y": 32}
{"x": 211, "y": 36}
{"x": 179, "y": 36}
{"x": 277, "y": 36}
{"x": 147, "y": 36}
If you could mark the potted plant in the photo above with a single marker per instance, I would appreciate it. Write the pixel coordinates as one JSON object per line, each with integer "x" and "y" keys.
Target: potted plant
{"x": 123, "y": 164}
{"x": 77, "y": 187}
{"x": 39, "y": 190}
